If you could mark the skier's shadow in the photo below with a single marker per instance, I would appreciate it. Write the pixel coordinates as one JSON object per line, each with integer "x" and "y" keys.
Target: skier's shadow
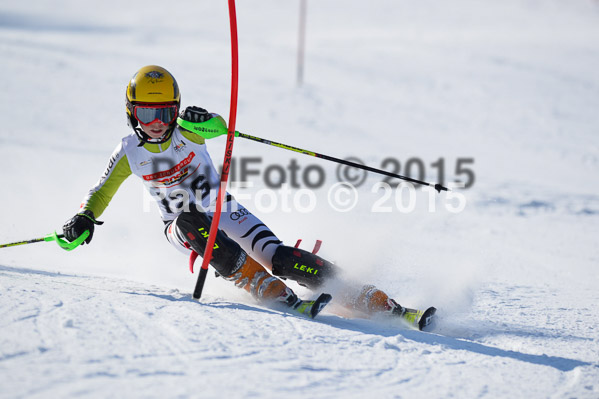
{"x": 386, "y": 330}
{"x": 557, "y": 362}
{"x": 22, "y": 270}
{"x": 241, "y": 306}
{"x": 216, "y": 304}
{"x": 366, "y": 326}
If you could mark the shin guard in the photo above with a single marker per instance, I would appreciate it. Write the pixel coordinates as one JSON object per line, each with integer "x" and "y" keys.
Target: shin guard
{"x": 227, "y": 255}
{"x": 305, "y": 268}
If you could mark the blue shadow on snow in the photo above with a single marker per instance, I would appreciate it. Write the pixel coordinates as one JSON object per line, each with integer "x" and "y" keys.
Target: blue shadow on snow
{"x": 430, "y": 338}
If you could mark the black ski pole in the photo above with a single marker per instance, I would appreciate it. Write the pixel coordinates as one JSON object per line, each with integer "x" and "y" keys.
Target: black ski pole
{"x": 34, "y": 240}
{"x": 436, "y": 186}
{"x": 58, "y": 238}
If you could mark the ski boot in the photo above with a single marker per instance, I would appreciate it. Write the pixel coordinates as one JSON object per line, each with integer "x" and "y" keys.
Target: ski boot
{"x": 414, "y": 317}
{"x": 254, "y": 278}
{"x": 371, "y": 300}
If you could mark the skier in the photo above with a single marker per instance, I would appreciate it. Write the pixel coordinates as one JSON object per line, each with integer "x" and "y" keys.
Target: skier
{"x": 172, "y": 160}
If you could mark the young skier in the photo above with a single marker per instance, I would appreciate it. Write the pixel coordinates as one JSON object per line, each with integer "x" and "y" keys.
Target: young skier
{"x": 172, "y": 160}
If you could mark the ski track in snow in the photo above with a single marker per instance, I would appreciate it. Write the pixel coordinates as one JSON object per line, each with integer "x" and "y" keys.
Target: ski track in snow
{"x": 71, "y": 335}
{"x": 512, "y": 85}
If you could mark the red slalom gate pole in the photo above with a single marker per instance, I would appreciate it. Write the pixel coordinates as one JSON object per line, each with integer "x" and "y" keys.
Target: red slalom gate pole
{"x": 224, "y": 177}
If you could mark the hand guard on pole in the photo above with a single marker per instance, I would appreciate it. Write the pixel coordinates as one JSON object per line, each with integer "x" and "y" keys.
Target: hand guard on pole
{"x": 78, "y": 224}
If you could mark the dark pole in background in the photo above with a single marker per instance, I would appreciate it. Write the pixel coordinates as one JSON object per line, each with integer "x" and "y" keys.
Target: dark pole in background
{"x": 301, "y": 43}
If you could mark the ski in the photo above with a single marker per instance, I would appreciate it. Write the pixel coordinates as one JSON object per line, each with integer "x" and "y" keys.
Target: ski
{"x": 313, "y": 308}
{"x": 427, "y": 318}
{"x": 419, "y": 318}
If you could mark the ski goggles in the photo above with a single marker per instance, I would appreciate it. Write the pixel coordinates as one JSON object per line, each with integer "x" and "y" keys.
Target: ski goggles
{"x": 147, "y": 114}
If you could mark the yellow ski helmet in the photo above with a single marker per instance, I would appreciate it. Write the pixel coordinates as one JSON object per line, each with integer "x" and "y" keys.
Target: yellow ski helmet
{"x": 155, "y": 86}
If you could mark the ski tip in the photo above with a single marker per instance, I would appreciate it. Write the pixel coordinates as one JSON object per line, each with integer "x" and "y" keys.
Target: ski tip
{"x": 427, "y": 318}
{"x": 319, "y": 304}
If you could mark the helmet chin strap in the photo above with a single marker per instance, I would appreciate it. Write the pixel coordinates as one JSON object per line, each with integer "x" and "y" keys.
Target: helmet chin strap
{"x": 144, "y": 138}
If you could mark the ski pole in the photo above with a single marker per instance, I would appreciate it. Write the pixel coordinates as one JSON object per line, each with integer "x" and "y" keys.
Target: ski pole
{"x": 436, "y": 186}
{"x": 58, "y": 238}
{"x": 217, "y": 131}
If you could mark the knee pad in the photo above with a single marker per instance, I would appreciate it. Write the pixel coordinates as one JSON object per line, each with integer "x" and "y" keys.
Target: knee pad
{"x": 305, "y": 268}
{"x": 227, "y": 255}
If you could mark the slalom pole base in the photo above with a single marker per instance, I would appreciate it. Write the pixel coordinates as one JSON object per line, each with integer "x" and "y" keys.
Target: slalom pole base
{"x": 197, "y": 292}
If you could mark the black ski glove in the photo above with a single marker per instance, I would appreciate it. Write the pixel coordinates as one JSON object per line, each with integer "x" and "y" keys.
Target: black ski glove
{"x": 195, "y": 114}
{"x": 77, "y": 225}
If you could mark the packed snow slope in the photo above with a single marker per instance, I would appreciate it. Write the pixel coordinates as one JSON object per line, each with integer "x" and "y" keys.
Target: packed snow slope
{"x": 503, "y": 96}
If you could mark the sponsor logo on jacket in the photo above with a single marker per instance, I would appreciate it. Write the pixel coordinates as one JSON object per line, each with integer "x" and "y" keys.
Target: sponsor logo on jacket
{"x": 172, "y": 176}
{"x": 179, "y": 147}
{"x": 111, "y": 163}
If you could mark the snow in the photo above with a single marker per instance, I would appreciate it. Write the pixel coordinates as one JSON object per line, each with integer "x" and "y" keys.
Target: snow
{"x": 513, "y": 85}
